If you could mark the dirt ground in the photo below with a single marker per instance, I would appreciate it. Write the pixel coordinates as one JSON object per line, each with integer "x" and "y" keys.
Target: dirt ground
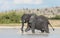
{"x": 55, "y": 23}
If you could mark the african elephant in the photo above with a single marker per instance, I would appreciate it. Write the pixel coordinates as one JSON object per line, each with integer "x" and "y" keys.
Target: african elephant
{"x": 25, "y": 19}
{"x": 40, "y": 23}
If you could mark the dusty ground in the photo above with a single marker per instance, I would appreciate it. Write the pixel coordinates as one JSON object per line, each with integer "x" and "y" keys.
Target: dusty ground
{"x": 55, "y": 23}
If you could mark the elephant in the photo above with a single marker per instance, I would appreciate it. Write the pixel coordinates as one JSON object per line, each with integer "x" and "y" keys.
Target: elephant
{"x": 40, "y": 23}
{"x": 25, "y": 19}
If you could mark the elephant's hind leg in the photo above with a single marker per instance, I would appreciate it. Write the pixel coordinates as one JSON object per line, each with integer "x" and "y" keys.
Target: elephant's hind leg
{"x": 47, "y": 30}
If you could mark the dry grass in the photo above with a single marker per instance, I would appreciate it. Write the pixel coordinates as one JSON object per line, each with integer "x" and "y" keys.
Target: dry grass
{"x": 55, "y": 23}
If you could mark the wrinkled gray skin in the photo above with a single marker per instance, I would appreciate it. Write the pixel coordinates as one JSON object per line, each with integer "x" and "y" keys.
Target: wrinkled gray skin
{"x": 40, "y": 23}
{"x": 25, "y": 19}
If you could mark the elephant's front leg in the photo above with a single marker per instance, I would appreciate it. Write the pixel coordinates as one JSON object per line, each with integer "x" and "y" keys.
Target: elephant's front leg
{"x": 28, "y": 27}
{"x": 33, "y": 28}
{"x": 22, "y": 27}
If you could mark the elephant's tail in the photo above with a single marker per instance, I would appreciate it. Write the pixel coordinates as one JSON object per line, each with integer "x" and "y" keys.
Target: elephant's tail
{"x": 51, "y": 26}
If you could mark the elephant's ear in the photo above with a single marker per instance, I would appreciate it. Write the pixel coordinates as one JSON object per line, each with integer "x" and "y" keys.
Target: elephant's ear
{"x": 31, "y": 19}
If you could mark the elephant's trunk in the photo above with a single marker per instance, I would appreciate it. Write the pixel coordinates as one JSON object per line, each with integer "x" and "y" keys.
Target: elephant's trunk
{"x": 22, "y": 26}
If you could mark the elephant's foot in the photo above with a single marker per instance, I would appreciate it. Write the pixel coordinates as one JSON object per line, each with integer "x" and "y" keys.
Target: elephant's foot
{"x": 27, "y": 29}
{"x": 47, "y": 31}
{"x": 33, "y": 31}
{"x": 42, "y": 31}
{"x": 22, "y": 30}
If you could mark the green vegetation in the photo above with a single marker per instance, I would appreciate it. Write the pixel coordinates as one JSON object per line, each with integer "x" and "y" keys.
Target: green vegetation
{"x": 57, "y": 17}
{"x": 12, "y": 17}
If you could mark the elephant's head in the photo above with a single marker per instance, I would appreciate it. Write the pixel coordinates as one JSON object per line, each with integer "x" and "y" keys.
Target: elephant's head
{"x": 25, "y": 17}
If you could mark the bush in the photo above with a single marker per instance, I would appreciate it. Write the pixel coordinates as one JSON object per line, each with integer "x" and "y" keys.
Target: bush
{"x": 57, "y": 17}
{"x": 11, "y": 17}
